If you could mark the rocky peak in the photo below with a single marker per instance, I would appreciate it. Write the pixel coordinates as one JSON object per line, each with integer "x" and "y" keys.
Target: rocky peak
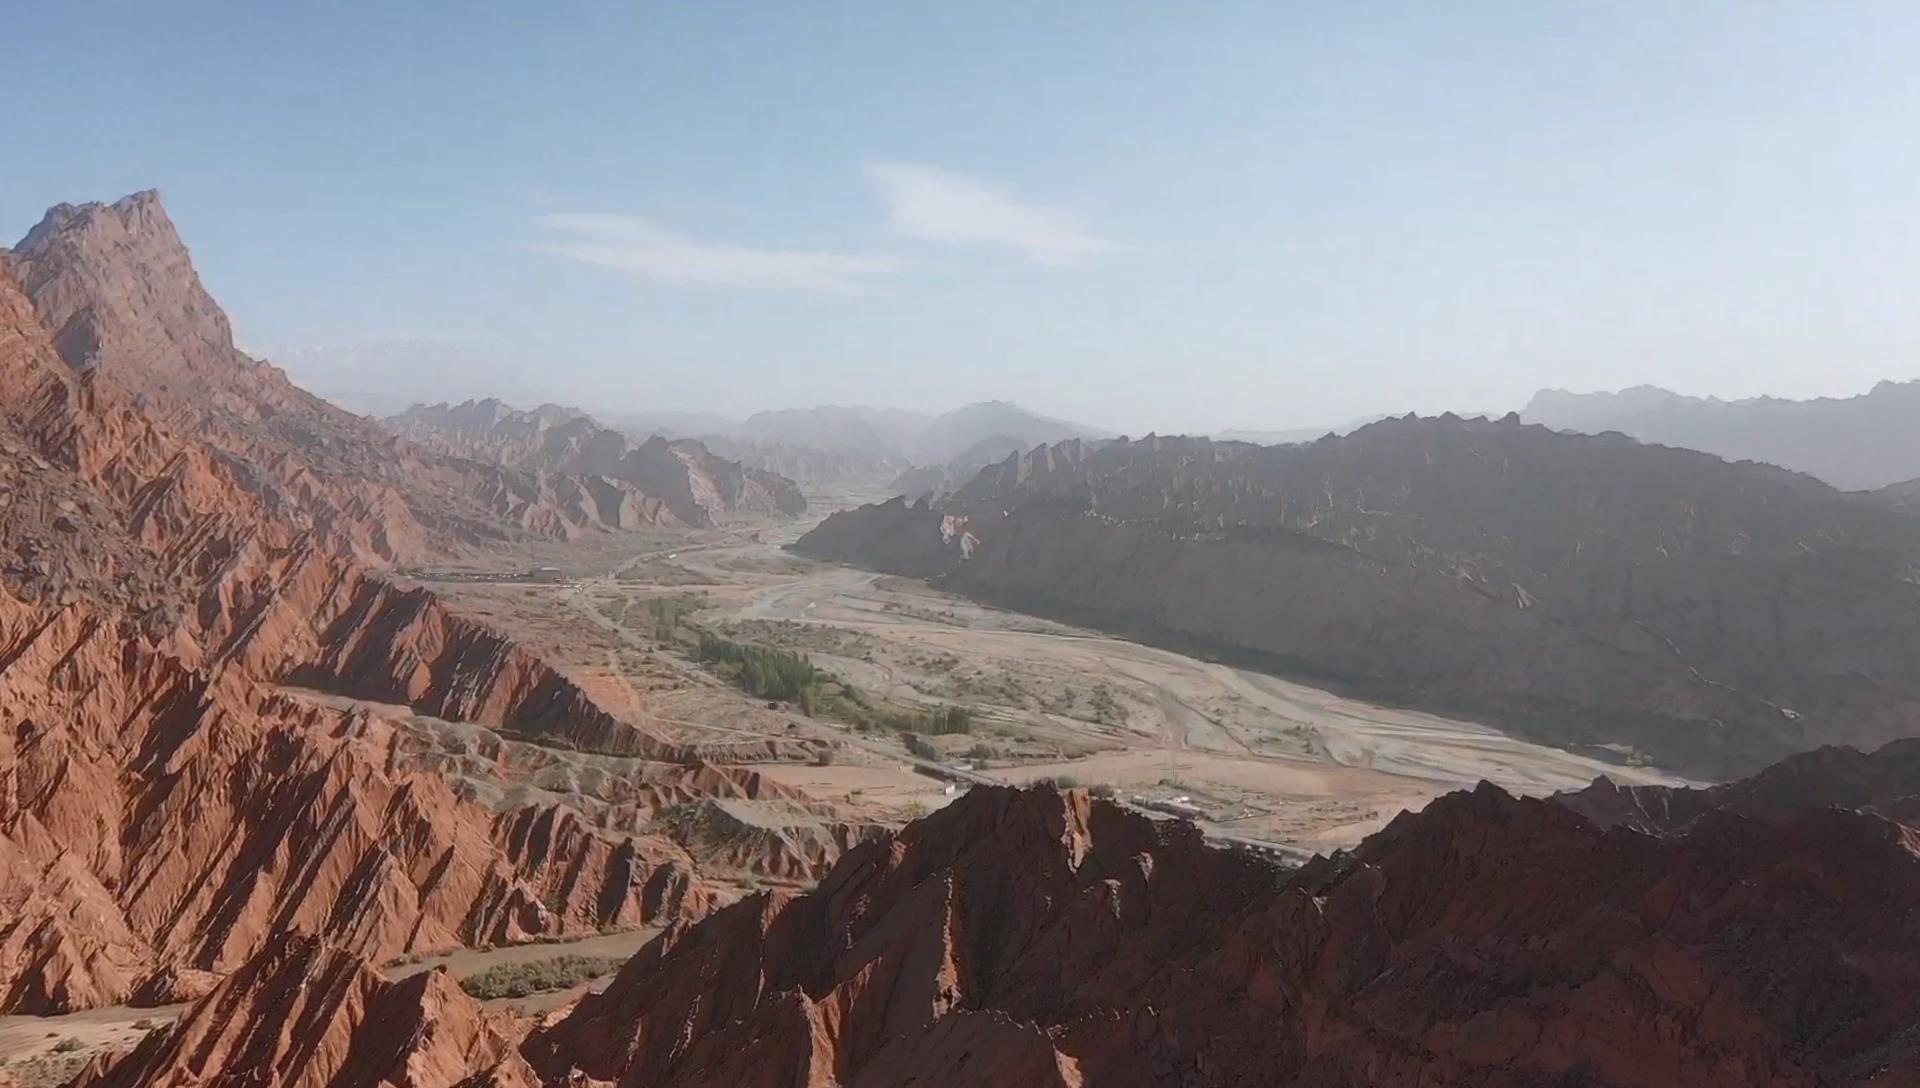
{"x": 116, "y": 285}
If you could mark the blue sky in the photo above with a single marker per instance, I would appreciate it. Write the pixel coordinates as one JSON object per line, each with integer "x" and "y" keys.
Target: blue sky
{"x": 1168, "y": 216}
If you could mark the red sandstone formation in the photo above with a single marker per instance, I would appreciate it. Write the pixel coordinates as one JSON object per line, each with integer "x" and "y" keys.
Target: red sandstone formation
{"x": 178, "y": 541}
{"x": 303, "y": 1014}
{"x": 156, "y": 817}
{"x": 1042, "y": 938}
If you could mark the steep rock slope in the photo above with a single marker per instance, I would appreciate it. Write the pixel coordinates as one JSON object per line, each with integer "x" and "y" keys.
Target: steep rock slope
{"x": 116, "y": 287}
{"x": 699, "y": 488}
{"x": 302, "y": 1014}
{"x": 164, "y": 809}
{"x": 1042, "y": 938}
{"x": 159, "y": 822}
{"x": 1582, "y": 590}
{"x": 1865, "y": 441}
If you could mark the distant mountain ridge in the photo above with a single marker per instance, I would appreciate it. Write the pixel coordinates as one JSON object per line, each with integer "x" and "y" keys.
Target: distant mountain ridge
{"x": 699, "y": 487}
{"x": 859, "y": 444}
{"x": 1856, "y": 443}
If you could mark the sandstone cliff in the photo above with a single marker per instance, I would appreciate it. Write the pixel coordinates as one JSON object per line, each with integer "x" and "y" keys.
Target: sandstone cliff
{"x": 159, "y": 822}
{"x": 1580, "y": 590}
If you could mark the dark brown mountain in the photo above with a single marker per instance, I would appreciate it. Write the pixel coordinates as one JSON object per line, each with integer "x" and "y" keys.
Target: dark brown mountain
{"x": 701, "y": 489}
{"x": 1886, "y": 783}
{"x": 1582, "y": 590}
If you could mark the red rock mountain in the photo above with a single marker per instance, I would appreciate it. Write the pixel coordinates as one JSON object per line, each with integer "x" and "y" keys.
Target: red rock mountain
{"x": 1043, "y": 938}
{"x": 1040, "y": 937}
{"x": 303, "y": 1014}
{"x": 115, "y": 286}
{"x": 700, "y": 488}
{"x": 167, "y": 809}
{"x": 1580, "y": 590}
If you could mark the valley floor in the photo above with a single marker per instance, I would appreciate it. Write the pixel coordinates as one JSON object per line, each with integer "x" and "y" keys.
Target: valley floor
{"x": 1251, "y": 755}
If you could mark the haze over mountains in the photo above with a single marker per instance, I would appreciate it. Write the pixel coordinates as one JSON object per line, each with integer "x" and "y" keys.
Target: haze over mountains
{"x": 810, "y": 445}
{"x": 1857, "y": 443}
{"x": 698, "y": 488}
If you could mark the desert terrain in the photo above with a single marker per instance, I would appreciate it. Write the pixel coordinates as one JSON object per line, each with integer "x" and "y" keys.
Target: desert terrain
{"x": 1254, "y": 759}
{"x": 1257, "y": 756}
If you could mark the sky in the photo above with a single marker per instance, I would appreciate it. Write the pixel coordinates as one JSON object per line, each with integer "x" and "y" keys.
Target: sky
{"x": 1195, "y": 216}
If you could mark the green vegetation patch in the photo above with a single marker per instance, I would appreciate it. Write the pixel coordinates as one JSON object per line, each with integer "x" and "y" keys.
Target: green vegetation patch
{"x": 536, "y": 976}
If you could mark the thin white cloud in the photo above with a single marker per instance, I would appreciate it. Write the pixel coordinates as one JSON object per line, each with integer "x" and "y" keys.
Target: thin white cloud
{"x": 637, "y": 244}
{"x": 938, "y": 205}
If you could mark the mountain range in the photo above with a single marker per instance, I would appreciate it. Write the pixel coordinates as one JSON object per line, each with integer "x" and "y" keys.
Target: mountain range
{"x": 699, "y": 488}
{"x": 1589, "y": 591}
{"x": 1857, "y": 443}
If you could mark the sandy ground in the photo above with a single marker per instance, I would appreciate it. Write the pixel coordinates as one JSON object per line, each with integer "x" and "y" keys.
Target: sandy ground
{"x": 1265, "y": 757}
{"x": 1261, "y": 756}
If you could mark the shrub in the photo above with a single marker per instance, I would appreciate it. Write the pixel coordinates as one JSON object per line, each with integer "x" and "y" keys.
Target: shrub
{"x": 536, "y": 976}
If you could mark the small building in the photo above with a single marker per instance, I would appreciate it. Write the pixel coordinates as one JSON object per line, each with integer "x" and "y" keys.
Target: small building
{"x": 547, "y": 575}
